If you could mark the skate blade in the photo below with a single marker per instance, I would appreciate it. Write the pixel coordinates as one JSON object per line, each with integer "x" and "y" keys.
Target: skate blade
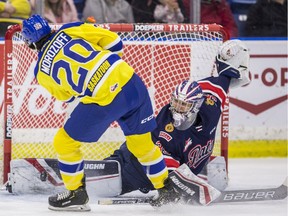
{"x": 75, "y": 208}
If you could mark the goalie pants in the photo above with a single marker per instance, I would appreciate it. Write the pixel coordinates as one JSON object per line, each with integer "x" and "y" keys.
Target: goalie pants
{"x": 132, "y": 109}
{"x": 132, "y": 173}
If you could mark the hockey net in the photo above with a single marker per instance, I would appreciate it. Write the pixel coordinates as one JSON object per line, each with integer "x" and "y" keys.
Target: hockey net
{"x": 163, "y": 55}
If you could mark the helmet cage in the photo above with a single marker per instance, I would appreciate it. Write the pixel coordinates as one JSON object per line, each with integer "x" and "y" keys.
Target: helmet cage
{"x": 184, "y": 107}
{"x": 187, "y": 98}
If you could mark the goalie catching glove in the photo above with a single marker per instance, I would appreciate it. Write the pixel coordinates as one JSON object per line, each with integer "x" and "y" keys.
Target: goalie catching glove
{"x": 233, "y": 61}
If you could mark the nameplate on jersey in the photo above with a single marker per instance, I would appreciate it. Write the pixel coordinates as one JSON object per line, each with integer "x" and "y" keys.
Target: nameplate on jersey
{"x": 100, "y": 72}
{"x": 55, "y": 46}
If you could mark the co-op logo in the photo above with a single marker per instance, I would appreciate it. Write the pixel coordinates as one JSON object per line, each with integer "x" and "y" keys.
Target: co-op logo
{"x": 275, "y": 76}
{"x": 271, "y": 77}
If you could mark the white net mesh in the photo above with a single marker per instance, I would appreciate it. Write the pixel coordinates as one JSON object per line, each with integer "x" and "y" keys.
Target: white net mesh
{"x": 162, "y": 59}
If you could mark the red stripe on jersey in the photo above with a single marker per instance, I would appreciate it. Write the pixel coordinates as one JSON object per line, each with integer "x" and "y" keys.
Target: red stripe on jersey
{"x": 171, "y": 162}
{"x": 213, "y": 89}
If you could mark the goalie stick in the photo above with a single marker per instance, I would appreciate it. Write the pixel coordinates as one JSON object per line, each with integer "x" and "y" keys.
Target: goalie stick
{"x": 250, "y": 195}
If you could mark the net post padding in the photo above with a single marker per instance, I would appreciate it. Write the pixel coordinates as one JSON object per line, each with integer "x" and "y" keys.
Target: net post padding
{"x": 155, "y": 51}
{"x": 7, "y": 105}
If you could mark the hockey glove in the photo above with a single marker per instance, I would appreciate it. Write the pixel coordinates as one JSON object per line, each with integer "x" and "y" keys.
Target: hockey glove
{"x": 233, "y": 61}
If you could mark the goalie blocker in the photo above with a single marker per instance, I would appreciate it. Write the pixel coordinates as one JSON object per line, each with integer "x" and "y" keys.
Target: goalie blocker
{"x": 103, "y": 178}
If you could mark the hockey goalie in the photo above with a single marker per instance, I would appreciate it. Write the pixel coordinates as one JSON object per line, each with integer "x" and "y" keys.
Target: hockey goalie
{"x": 185, "y": 134}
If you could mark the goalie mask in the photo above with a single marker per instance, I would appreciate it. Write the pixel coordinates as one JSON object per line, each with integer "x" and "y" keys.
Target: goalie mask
{"x": 185, "y": 103}
{"x": 34, "y": 29}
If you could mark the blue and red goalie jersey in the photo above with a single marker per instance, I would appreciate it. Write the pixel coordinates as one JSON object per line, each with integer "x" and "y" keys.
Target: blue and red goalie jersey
{"x": 195, "y": 145}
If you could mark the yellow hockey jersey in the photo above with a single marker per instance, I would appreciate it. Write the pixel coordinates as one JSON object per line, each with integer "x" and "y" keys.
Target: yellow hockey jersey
{"x": 83, "y": 60}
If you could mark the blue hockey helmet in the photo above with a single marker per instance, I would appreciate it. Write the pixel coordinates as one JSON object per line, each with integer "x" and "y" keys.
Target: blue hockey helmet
{"x": 185, "y": 103}
{"x": 35, "y": 28}
{"x": 187, "y": 97}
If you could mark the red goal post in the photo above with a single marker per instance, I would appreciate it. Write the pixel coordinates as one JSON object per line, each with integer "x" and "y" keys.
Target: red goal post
{"x": 162, "y": 54}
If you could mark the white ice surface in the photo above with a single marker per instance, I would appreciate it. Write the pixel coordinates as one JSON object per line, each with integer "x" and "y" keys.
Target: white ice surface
{"x": 243, "y": 174}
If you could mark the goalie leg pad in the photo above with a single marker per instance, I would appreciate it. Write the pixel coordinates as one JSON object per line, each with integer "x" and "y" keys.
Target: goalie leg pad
{"x": 33, "y": 175}
{"x": 216, "y": 173}
{"x": 192, "y": 187}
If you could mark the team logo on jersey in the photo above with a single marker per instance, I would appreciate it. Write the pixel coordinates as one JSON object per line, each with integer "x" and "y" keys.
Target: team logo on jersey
{"x": 199, "y": 153}
{"x": 114, "y": 87}
{"x": 169, "y": 127}
{"x": 210, "y": 100}
{"x": 165, "y": 136}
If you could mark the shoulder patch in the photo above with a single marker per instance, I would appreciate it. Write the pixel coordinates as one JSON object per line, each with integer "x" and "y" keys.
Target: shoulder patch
{"x": 165, "y": 136}
{"x": 169, "y": 127}
{"x": 210, "y": 100}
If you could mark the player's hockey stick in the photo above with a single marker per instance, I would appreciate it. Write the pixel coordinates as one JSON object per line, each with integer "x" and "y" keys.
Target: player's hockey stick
{"x": 249, "y": 195}
{"x": 124, "y": 200}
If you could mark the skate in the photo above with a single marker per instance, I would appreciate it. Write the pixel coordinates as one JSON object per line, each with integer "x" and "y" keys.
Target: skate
{"x": 166, "y": 195}
{"x": 74, "y": 200}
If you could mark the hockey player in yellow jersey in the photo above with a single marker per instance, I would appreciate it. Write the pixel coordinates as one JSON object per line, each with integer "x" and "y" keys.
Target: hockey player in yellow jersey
{"x": 83, "y": 61}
